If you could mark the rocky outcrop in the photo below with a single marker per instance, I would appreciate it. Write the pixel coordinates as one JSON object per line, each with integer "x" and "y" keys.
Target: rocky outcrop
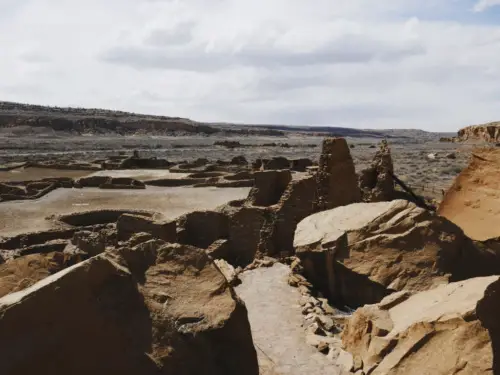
{"x": 489, "y": 132}
{"x": 358, "y": 254}
{"x": 336, "y": 177}
{"x": 150, "y": 309}
{"x": 269, "y": 187}
{"x": 127, "y": 225}
{"x": 473, "y": 202}
{"x": 452, "y": 329}
{"x": 376, "y": 181}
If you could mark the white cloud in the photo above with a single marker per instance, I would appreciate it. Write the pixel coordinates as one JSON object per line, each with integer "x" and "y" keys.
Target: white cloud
{"x": 360, "y": 63}
{"x": 482, "y": 5}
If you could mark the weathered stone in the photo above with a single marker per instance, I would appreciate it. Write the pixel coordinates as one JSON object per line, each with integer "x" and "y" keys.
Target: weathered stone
{"x": 445, "y": 330}
{"x": 92, "y": 243}
{"x": 202, "y": 228}
{"x": 360, "y": 253}
{"x": 300, "y": 165}
{"x": 220, "y": 249}
{"x": 278, "y": 162}
{"x": 295, "y": 204}
{"x": 336, "y": 177}
{"x": 20, "y": 273}
{"x": 176, "y": 316}
{"x": 243, "y": 232}
{"x": 127, "y": 225}
{"x": 269, "y": 187}
{"x": 376, "y": 182}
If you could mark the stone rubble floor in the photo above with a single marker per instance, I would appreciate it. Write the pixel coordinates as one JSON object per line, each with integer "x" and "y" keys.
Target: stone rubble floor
{"x": 275, "y": 318}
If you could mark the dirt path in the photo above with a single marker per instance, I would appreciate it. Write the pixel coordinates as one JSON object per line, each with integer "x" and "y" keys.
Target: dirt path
{"x": 275, "y": 317}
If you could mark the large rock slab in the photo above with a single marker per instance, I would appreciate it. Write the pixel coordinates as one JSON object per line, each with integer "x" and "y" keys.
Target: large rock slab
{"x": 473, "y": 202}
{"x": 359, "y": 253}
{"x": 446, "y": 330}
{"x": 150, "y": 309}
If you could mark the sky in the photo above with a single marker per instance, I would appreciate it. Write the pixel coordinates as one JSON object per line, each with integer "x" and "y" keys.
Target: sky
{"x": 428, "y": 64}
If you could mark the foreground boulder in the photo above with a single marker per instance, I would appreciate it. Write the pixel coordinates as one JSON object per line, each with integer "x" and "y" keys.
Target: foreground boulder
{"x": 473, "y": 202}
{"x": 376, "y": 181}
{"x": 20, "y": 273}
{"x": 452, "y": 329}
{"x": 147, "y": 310}
{"x": 358, "y": 254}
{"x": 337, "y": 182}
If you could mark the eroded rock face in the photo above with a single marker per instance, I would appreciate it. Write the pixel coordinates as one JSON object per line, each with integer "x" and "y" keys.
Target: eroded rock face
{"x": 375, "y": 182}
{"x": 472, "y": 202}
{"x": 336, "y": 177}
{"x": 165, "y": 310}
{"x": 20, "y": 273}
{"x": 447, "y": 330}
{"x": 358, "y": 254}
{"x": 489, "y": 132}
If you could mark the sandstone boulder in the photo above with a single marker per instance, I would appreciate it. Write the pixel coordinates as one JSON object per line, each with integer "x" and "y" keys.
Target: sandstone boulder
{"x": 176, "y": 314}
{"x": 20, "y": 273}
{"x": 376, "y": 182}
{"x": 473, "y": 201}
{"x": 358, "y": 254}
{"x": 336, "y": 177}
{"x": 452, "y": 329}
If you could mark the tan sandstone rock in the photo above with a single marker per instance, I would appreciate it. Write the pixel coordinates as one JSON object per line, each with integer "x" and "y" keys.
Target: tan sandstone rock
{"x": 473, "y": 201}
{"x": 359, "y": 253}
{"x": 337, "y": 183}
{"x": 166, "y": 310}
{"x": 451, "y": 329}
{"x": 489, "y": 132}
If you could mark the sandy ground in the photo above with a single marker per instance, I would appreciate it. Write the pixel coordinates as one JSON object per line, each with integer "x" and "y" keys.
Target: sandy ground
{"x": 141, "y": 174}
{"x": 275, "y": 318}
{"x": 28, "y": 216}
{"x": 23, "y": 174}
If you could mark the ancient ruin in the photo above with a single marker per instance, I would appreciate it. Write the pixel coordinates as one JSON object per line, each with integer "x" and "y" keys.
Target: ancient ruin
{"x": 261, "y": 266}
